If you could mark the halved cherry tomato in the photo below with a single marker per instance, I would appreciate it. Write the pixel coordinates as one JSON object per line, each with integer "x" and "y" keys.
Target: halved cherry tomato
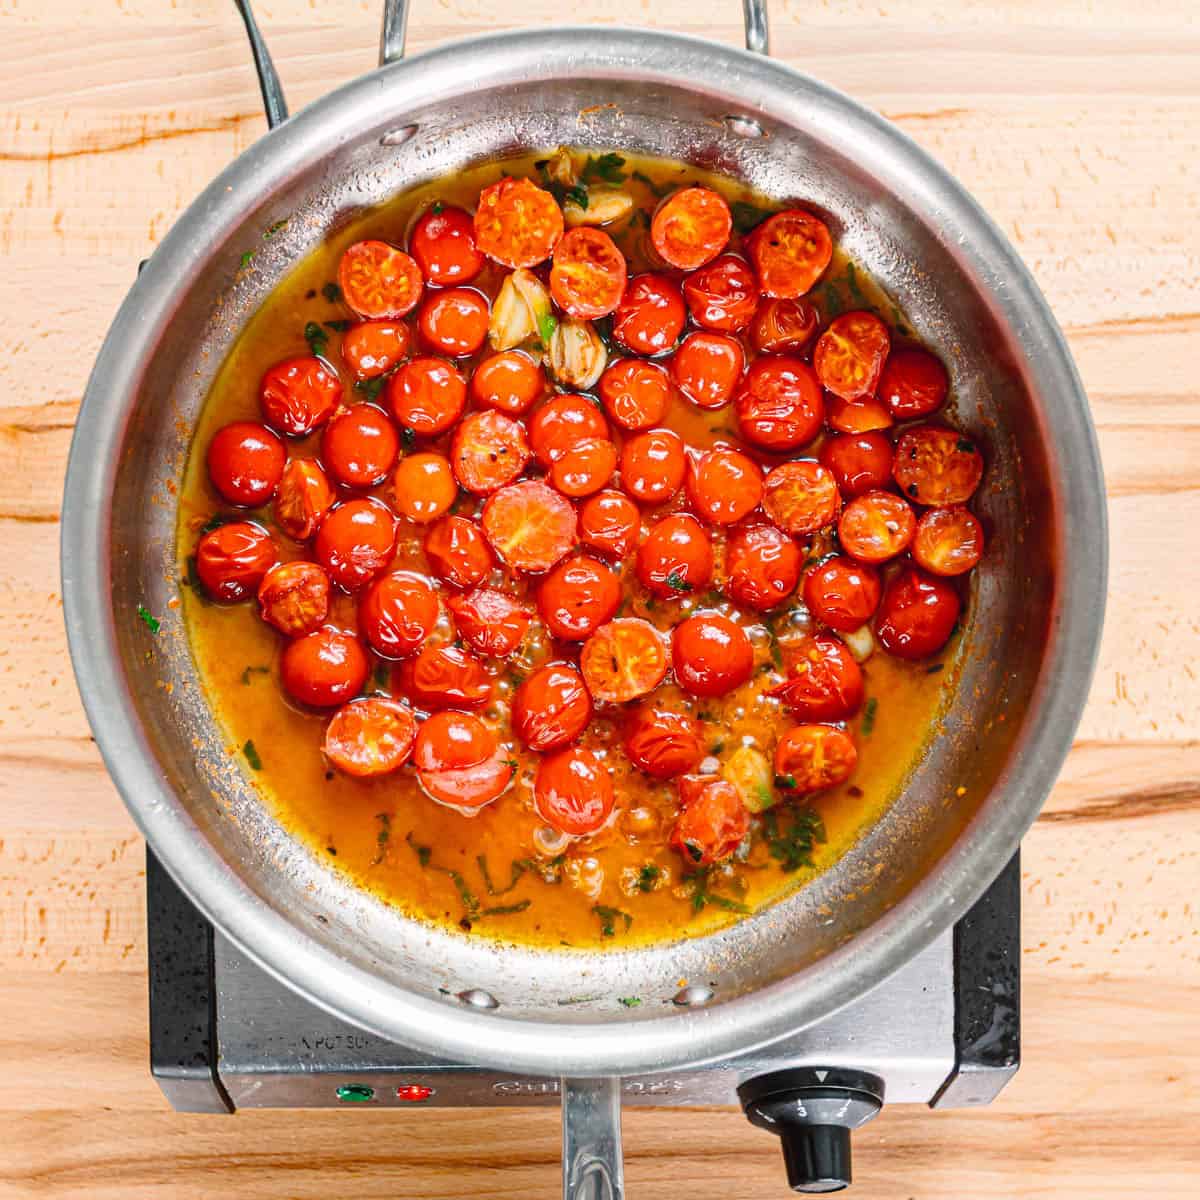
{"x": 783, "y": 326}
{"x": 824, "y": 682}
{"x": 517, "y": 223}
{"x": 359, "y": 446}
{"x": 588, "y": 276}
{"x": 623, "y": 660}
{"x": 801, "y": 497}
{"x": 457, "y": 551}
{"x": 585, "y": 468}
{"x": 790, "y": 252}
{"x": 653, "y": 465}
{"x": 373, "y": 348}
{"x": 232, "y": 560}
{"x": 455, "y": 321}
{"x": 876, "y": 527}
{"x": 676, "y": 558}
{"x": 294, "y": 597}
{"x": 573, "y": 791}
{"x": 937, "y": 467}
{"x": 449, "y": 741}
{"x": 563, "y": 422}
{"x": 842, "y": 593}
{"x": 913, "y": 384}
{"x": 377, "y": 280}
{"x": 690, "y": 227}
{"x": 763, "y": 565}
{"x": 445, "y": 677}
{"x": 577, "y": 597}
{"x": 427, "y": 396}
{"x": 551, "y": 708}
{"x": 468, "y": 789}
{"x": 722, "y": 295}
{"x": 635, "y": 393}
{"x": 424, "y": 487}
{"x": 662, "y": 741}
{"x": 779, "y": 403}
{"x": 356, "y": 542}
{"x": 724, "y": 485}
{"x": 370, "y": 736}
{"x": 443, "y": 243}
{"x": 864, "y": 414}
{"x": 324, "y": 668}
{"x": 245, "y": 463}
{"x": 530, "y": 525}
{"x": 917, "y": 614}
{"x": 302, "y": 499}
{"x": 849, "y": 355}
{"x": 811, "y": 758}
{"x": 492, "y": 622}
{"x": 609, "y": 522}
{"x": 712, "y": 654}
{"x": 948, "y": 541}
{"x": 489, "y": 451}
{"x": 707, "y": 367}
{"x": 510, "y": 381}
{"x": 298, "y": 395}
{"x": 713, "y": 823}
{"x": 651, "y": 315}
{"x": 859, "y": 462}
{"x": 398, "y": 613}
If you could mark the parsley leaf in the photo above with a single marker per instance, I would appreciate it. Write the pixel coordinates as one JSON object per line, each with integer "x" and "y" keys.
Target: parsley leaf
{"x": 332, "y": 292}
{"x": 608, "y": 919}
{"x": 382, "y": 837}
{"x": 577, "y": 195}
{"x": 604, "y": 169}
{"x": 747, "y": 216}
{"x": 251, "y": 753}
{"x": 791, "y": 834}
{"x": 868, "y": 718}
{"x": 647, "y": 877}
{"x": 503, "y": 910}
{"x": 701, "y": 896}
{"x": 423, "y": 853}
{"x": 254, "y": 671}
{"x": 677, "y": 581}
{"x": 547, "y": 324}
{"x": 630, "y": 1001}
{"x": 317, "y": 339}
{"x": 370, "y": 387}
{"x": 148, "y": 619}
{"x": 247, "y": 258}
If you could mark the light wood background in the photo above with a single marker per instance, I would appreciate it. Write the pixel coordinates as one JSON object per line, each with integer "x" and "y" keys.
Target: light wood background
{"x": 1077, "y": 124}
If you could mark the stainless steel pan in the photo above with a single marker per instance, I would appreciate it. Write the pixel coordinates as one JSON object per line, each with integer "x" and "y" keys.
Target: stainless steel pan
{"x": 1030, "y": 643}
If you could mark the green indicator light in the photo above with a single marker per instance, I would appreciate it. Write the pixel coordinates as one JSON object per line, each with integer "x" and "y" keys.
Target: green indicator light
{"x": 355, "y": 1093}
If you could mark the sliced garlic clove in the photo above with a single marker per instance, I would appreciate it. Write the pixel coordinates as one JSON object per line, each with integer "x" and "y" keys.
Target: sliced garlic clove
{"x": 561, "y": 167}
{"x": 519, "y": 310}
{"x": 749, "y": 770}
{"x": 860, "y": 643}
{"x": 603, "y": 208}
{"x": 576, "y": 356}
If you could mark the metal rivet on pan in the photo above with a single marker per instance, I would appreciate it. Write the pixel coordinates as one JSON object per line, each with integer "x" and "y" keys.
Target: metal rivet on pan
{"x": 693, "y": 996}
{"x": 478, "y": 998}
{"x": 397, "y": 137}
{"x": 745, "y": 127}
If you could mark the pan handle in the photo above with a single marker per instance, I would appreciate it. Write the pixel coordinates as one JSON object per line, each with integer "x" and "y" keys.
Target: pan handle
{"x": 591, "y": 1139}
{"x": 268, "y": 78}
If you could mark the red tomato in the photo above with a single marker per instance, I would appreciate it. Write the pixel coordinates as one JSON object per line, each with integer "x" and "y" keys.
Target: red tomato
{"x": 948, "y": 541}
{"x": 724, "y": 486}
{"x": 510, "y": 381}
{"x": 455, "y": 321}
{"x": 623, "y": 660}
{"x": 864, "y": 414}
{"x": 713, "y": 823}
{"x": 445, "y": 677}
{"x": 377, "y": 280}
{"x": 824, "y": 682}
{"x": 517, "y": 223}
{"x": 324, "y": 668}
{"x": 370, "y": 736}
{"x": 468, "y": 789}
{"x": 763, "y": 565}
{"x": 573, "y": 792}
{"x": 790, "y": 252}
{"x": 302, "y": 499}
{"x": 373, "y": 348}
{"x": 801, "y": 497}
{"x": 398, "y": 613}
{"x": 427, "y": 396}
{"x": 491, "y": 622}
{"x": 529, "y": 525}
{"x": 937, "y": 467}
{"x": 722, "y": 295}
{"x": 712, "y": 655}
{"x": 609, "y": 522}
{"x": 245, "y": 463}
{"x": 913, "y": 384}
{"x": 587, "y": 279}
{"x": 690, "y": 227}
{"x": 232, "y": 560}
{"x": 917, "y": 614}
{"x": 489, "y": 451}
{"x": 585, "y": 468}
{"x": 842, "y": 593}
{"x": 783, "y": 326}
{"x": 651, "y": 315}
{"x": 298, "y": 395}
{"x": 561, "y": 423}
{"x": 676, "y": 558}
{"x": 849, "y": 355}
{"x": 707, "y": 367}
{"x": 443, "y": 243}
{"x": 635, "y": 393}
{"x": 359, "y": 446}
{"x": 876, "y": 527}
{"x": 653, "y": 465}
{"x": 424, "y": 487}
{"x": 577, "y": 597}
{"x": 457, "y": 552}
{"x": 450, "y": 741}
{"x": 662, "y": 741}
{"x": 356, "y": 542}
{"x": 551, "y": 708}
{"x": 859, "y": 462}
{"x": 294, "y": 597}
{"x": 812, "y": 758}
{"x": 779, "y": 403}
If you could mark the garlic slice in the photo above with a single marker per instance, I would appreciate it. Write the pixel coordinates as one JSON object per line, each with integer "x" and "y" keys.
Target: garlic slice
{"x": 860, "y": 642}
{"x": 603, "y": 208}
{"x": 576, "y": 356}
{"x": 749, "y": 770}
{"x": 519, "y": 311}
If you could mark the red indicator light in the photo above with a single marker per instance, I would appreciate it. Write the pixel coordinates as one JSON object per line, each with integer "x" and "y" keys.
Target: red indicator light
{"x": 413, "y": 1093}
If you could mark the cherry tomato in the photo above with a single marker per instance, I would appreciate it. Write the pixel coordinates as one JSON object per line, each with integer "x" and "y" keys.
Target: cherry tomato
{"x": 724, "y": 486}
{"x": 302, "y": 499}
{"x": 790, "y": 251}
{"x": 859, "y": 462}
{"x": 294, "y": 597}
{"x": 676, "y": 558}
{"x": 359, "y": 446}
{"x": 427, "y": 396}
{"x": 609, "y": 522}
{"x": 864, "y": 414}
{"x": 585, "y": 468}
{"x": 510, "y": 381}
{"x": 455, "y": 321}
{"x": 298, "y": 395}
{"x": 812, "y": 758}
{"x": 529, "y": 525}
{"x": 917, "y": 614}
{"x": 713, "y": 823}
{"x": 707, "y": 367}
{"x": 849, "y": 355}
{"x": 398, "y": 613}
{"x": 377, "y": 280}
{"x": 445, "y": 677}
{"x": 722, "y": 295}
{"x": 690, "y": 227}
{"x": 424, "y": 487}
{"x": 635, "y": 393}
{"x": 449, "y": 741}
{"x": 517, "y": 223}
{"x": 662, "y": 741}
{"x": 779, "y": 403}
{"x": 587, "y": 279}
{"x": 491, "y": 622}
{"x": 913, "y": 384}
{"x": 763, "y": 565}
{"x": 468, "y": 789}
{"x": 551, "y": 708}
{"x": 356, "y": 542}
{"x": 937, "y": 467}
{"x": 651, "y": 315}
{"x": 573, "y": 791}
{"x": 842, "y": 593}
{"x": 783, "y": 326}
{"x": 801, "y": 497}
{"x": 489, "y": 451}
{"x": 245, "y": 463}
{"x": 370, "y": 736}
{"x": 561, "y": 423}
{"x": 712, "y": 655}
{"x": 324, "y": 668}
{"x": 876, "y": 527}
{"x": 623, "y": 660}
{"x": 457, "y": 551}
{"x": 948, "y": 541}
{"x": 373, "y": 348}
{"x": 232, "y": 560}
{"x": 824, "y": 682}
{"x": 577, "y": 597}
{"x": 443, "y": 243}
{"x": 653, "y": 465}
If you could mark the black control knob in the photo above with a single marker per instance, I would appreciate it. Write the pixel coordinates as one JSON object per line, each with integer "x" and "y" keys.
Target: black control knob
{"x": 812, "y": 1111}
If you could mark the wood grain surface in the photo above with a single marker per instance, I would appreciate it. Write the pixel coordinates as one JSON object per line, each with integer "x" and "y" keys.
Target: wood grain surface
{"x": 1077, "y": 125}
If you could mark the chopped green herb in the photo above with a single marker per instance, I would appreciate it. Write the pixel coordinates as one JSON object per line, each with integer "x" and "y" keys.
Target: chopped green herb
{"x": 830, "y": 299}
{"x": 785, "y": 781}
{"x": 868, "y": 718}
{"x": 408, "y": 437}
{"x": 517, "y": 870}
{"x": 254, "y": 671}
{"x": 695, "y": 853}
{"x": 423, "y": 853}
{"x": 547, "y": 324}
{"x": 630, "y": 1001}
{"x": 935, "y": 668}
{"x": 604, "y": 169}
{"x": 316, "y": 337}
{"x": 437, "y": 207}
{"x": 504, "y": 910}
{"x": 608, "y": 919}
{"x": 648, "y": 876}
{"x": 148, "y": 619}
{"x": 381, "y": 676}
{"x": 252, "y": 757}
{"x": 337, "y": 326}
{"x": 469, "y": 899}
{"x": 790, "y": 836}
{"x": 965, "y": 445}
{"x": 677, "y": 581}
{"x": 331, "y": 850}
{"x": 747, "y": 216}
{"x": 382, "y": 837}
{"x": 577, "y": 195}
{"x": 855, "y": 288}
{"x": 332, "y": 292}
{"x": 216, "y": 521}
{"x": 191, "y": 579}
{"x": 701, "y": 896}
{"x": 370, "y": 387}
{"x": 272, "y": 230}
{"x": 247, "y": 257}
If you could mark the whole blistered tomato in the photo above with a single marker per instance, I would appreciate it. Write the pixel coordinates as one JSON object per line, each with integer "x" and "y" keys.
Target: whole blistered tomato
{"x": 724, "y": 485}
{"x": 294, "y": 597}
{"x": 577, "y": 597}
{"x": 662, "y": 741}
{"x": 801, "y": 497}
{"x": 459, "y": 761}
{"x": 722, "y": 295}
{"x": 913, "y": 384}
{"x": 551, "y": 708}
{"x": 711, "y": 654}
{"x": 443, "y": 244}
{"x": 876, "y": 527}
{"x": 302, "y": 499}
{"x": 468, "y": 789}
{"x": 232, "y": 560}
{"x": 653, "y": 465}
{"x": 863, "y": 414}
{"x": 790, "y": 251}
{"x": 859, "y": 462}
{"x": 824, "y": 682}
{"x": 489, "y": 451}
{"x": 458, "y": 552}
{"x": 377, "y": 280}
{"x": 370, "y": 736}
{"x": 530, "y": 525}
{"x": 690, "y": 227}
{"x": 779, "y": 403}
{"x": 427, "y": 396}
{"x": 763, "y": 565}
{"x": 707, "y": 368}
{"x": 356, "y": 542}
{"x": 587, "y": 278}
{"x": 424, "y": 487}
{"x": 842, "y": 593}
{"x": 491, "y": 622}
{"x": 373, "y": 348}
{"x": 937, "y": 467}
{"x": 585, "y": 468}
{"x": 713, "y": 823}
{"x": 573, "y": 791}
{"x": 245, "y": 463}
{"x": 510, "y": 381}
{"x": 635, "y": 393}
{"x": 811, "y": 758}
{"x": 299, "y": 395}
{"x": 783, "y": 326}
{"x": 948, "y": 541}
{"x": 359, "y": 446}
{"x": 444, "y": 677}
{"x": 398, "y": 613}
{"x": 517, "y": 223}
{"x": 608, "y": 523}
{"x": 676, "y": 558}
{"x": 563, "y": 422}
{"x": 623, "y": 660}
{"x": 849, "y": 355}
{"x": 917, "y": 614}
{"x": 324, "y": 668}
{"x": 651, "y": 315}
{"x": 454, "y": 322}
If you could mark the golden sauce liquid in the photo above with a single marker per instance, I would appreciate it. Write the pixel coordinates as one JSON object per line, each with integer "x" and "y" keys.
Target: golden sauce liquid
{"x": 487, "y": 874}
